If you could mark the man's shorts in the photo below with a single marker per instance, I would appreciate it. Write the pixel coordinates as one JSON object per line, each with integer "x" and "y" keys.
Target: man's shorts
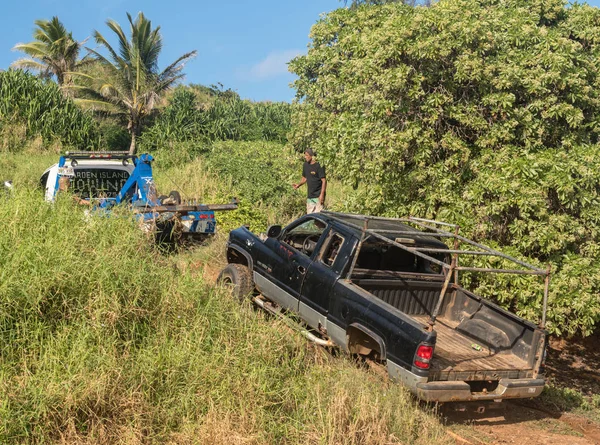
{"x": 313, "y": 205}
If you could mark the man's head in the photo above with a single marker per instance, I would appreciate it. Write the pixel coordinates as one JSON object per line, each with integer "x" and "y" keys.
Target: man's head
{"x": 308, "y": 154}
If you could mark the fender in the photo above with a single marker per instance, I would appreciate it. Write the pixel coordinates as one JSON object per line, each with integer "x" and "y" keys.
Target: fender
{"x": 243, "y": 253}
{"x": 371, "y": 334}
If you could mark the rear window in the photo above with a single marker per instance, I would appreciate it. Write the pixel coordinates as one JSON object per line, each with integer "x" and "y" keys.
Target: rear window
{"x": 377, "y": 255}
{"x": 98, "y": 182}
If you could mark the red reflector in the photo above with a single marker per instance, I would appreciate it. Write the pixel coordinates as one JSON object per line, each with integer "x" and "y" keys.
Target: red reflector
{"x": 420, "y": 364}
{"x": 425, "y": 352}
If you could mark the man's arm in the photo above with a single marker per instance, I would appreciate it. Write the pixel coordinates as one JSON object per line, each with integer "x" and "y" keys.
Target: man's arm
{"x": 323, "y": 189}
{"x": 302, "y": 182}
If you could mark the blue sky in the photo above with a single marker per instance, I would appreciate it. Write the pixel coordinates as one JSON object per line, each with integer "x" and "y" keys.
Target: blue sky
{"x": 242, "y": 44}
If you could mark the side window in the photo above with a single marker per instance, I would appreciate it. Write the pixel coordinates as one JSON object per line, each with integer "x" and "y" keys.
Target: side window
{"x": 305, "y": 236}
{"x": 331, "y": 250}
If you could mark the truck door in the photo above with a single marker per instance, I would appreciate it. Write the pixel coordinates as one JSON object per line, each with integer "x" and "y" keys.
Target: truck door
{"x": 320, "y": 278}
{"x": 289, "y": 259}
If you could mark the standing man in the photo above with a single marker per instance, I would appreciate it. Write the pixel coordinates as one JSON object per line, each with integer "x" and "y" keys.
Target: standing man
{"x": 314, "y": 177}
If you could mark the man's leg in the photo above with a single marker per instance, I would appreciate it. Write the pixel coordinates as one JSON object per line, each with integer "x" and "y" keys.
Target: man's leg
{"x": 311, "y": 205}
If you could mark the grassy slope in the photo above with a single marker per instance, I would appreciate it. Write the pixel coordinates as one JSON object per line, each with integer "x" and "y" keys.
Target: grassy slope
{"x": 106, "y": 341}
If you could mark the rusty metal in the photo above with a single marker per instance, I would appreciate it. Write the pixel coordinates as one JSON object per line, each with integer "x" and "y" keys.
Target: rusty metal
{"x": 464, "y": 252}
{"x": 439, "y": 232}
{"x": 438, "y": 306}
{"x": 363, "y": 237}
{"x": 455, "y": 254}
{"x": 508, "y": 271}
{"x": 183, "y": 209}
{"x": 546, "y": 291}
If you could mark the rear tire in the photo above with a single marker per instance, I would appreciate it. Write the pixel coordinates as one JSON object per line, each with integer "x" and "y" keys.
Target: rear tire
{"x": 238, "y": 278}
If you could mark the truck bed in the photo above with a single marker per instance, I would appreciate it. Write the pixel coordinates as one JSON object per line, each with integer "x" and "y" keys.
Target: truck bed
{"x": 455, "y": 358}
{"x": 475, "y": 339}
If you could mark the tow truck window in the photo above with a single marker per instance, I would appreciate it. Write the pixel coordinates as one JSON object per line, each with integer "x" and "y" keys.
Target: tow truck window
{"x": 305, "y": 236}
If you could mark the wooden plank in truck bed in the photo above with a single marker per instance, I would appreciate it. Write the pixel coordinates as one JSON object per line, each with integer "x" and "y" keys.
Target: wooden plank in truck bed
{"x": 454, "y": 353}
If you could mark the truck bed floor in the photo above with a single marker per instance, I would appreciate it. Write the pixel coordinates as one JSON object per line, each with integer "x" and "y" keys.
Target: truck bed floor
{"x": 454, "y": 353}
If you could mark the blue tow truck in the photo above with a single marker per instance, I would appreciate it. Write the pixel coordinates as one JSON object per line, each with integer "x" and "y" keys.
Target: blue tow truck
{"x": 106, "y": 179}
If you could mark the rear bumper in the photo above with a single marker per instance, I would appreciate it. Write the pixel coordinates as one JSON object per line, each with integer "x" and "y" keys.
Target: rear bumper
{"x": 461, "y": 391}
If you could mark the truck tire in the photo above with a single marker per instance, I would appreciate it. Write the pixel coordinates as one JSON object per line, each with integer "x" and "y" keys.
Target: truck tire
{"x": 175, "y": 196}
{"x": 238, "y": 278}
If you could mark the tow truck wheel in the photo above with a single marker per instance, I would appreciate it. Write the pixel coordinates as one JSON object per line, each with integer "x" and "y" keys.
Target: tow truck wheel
{"x": 237, "y": 277}
{"x": 175, "y": 196}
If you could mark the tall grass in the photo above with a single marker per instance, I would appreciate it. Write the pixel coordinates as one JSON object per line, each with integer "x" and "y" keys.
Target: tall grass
{"x": 103, "y": 340}
{"x": 41, "y": 110}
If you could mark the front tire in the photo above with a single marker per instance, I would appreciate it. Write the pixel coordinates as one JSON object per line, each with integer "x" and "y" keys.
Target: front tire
{"x": 238, "y": 278}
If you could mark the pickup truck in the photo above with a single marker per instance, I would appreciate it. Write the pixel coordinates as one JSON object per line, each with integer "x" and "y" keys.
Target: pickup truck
{"x": 379, "y": 287}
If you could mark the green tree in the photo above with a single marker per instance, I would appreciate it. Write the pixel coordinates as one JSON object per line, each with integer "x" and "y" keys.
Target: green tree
{"x": 128, "y": 81}
{"x": 353, "y": 4}
{"x": 478, "y": 112}
{"x": 54, "y": 52}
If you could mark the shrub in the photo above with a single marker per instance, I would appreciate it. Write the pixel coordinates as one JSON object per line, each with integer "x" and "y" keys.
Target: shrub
{"x": 480, "y": 113}
{"x": 225, "y": 117}
{"x": 42, "y": 109}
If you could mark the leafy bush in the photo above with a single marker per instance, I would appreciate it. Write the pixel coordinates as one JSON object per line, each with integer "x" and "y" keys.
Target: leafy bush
{"x": 481, "y": 113}
{"x": 262, "y": 172}
{"x": 41, "y": 107}
{"x": 225, "y": 117}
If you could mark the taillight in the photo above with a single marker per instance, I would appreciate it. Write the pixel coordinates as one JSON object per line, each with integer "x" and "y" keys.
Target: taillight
{"x": 424, "y": 354}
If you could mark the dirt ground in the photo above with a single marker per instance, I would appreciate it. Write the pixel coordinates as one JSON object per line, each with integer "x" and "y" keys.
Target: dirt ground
{"x": 572, "y": 364}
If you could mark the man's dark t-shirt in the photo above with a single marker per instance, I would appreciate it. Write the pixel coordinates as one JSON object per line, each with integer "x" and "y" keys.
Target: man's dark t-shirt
{"x": 313, "y": 174}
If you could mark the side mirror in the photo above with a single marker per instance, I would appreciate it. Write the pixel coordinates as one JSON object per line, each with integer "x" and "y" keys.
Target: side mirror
{"x": 274, "y": 231}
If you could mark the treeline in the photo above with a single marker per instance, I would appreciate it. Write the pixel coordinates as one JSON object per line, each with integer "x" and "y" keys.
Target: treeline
{"x": 480, "y": 113}
{"x": 123, "y": 87}
{"x": 194, "y": 114}
{"x": 203, "y": 114}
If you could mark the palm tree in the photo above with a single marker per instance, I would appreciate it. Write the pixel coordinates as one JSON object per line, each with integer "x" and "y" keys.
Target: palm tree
{"x": 127, "y": 82}
{"x": 53, "y": 52}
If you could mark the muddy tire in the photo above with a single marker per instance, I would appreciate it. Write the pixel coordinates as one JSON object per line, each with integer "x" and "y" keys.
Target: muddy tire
{"x": 238, "y": 278}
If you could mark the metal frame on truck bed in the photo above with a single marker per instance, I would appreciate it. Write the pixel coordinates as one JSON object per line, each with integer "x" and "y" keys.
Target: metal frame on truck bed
{"x": 453, "y": 268}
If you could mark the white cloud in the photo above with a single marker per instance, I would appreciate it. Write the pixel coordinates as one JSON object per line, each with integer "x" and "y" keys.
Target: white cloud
{"x": 275, "y": 64}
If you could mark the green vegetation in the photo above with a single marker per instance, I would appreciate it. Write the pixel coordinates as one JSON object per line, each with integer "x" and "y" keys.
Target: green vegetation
{"x": 105, "y": 340}
{"x": 128, "y": 82}
{"x": 479, "y": 113}
{"x": 54, "y": 52}
{"x": 31, "y": 107}
{"x": 190, "y": 117}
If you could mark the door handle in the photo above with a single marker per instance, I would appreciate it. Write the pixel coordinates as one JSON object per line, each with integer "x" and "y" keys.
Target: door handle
{"x": 302, "y": 269}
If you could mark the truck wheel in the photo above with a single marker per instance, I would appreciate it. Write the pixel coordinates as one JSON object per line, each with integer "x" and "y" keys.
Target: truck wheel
{"x": 238, "y": 278}
{"x": 175, "y": 196}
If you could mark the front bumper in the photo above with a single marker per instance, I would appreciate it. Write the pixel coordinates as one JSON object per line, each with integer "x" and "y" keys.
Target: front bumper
{"x": 461, "y": 391}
